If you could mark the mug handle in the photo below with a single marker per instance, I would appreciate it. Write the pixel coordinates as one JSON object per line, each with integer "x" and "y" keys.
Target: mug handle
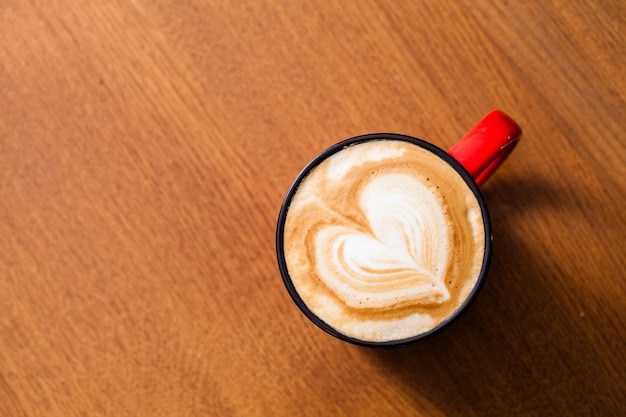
{"x": 487, "y": 145}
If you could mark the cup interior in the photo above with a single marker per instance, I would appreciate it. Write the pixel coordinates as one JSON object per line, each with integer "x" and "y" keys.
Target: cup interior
{"x": 469, "y": 181}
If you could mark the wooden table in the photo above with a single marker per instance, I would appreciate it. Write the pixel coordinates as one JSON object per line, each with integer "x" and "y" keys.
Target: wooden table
{"x": 146, "y": 147}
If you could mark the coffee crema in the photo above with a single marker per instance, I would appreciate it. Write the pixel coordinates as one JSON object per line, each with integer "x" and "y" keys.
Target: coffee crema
{"x": 383, "y": 240}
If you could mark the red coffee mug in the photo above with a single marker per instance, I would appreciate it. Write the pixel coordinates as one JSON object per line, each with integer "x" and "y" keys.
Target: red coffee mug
{"x": 475, "y": 157}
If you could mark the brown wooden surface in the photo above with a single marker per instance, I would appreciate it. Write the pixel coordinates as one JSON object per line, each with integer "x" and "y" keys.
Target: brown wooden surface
{"x": 146, "y": 146}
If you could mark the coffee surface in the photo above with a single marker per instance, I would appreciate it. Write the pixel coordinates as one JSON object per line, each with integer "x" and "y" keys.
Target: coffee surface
{"x": 384, "y": 240}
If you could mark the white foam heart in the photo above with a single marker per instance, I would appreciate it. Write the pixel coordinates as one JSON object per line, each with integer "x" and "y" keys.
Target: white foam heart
{"x": 402, "y": 257}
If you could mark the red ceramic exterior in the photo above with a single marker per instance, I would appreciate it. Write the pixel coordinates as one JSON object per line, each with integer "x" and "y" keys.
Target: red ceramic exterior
{"x": 487, "y": 145}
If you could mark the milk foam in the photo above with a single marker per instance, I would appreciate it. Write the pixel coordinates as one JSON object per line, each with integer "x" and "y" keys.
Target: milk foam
{"x": 383, "y": 240}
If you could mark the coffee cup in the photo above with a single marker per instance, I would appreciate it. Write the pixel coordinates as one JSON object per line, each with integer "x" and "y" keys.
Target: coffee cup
{"x": 385, "y": 239}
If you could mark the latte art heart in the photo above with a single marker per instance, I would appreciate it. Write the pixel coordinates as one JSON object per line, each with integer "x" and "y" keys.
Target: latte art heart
{"x": 383, "y": 240}
{"x": 401, "y": 260}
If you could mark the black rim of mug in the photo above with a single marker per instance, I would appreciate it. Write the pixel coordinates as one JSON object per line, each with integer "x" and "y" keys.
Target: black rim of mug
{"x": 280, "y": 229}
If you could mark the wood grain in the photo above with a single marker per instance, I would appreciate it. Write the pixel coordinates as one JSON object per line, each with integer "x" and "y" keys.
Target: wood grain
{"x": 145, "y": 148}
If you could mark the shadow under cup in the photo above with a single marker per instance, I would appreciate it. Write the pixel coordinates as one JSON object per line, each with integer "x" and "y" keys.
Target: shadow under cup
{"x": 440, "y": 153}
